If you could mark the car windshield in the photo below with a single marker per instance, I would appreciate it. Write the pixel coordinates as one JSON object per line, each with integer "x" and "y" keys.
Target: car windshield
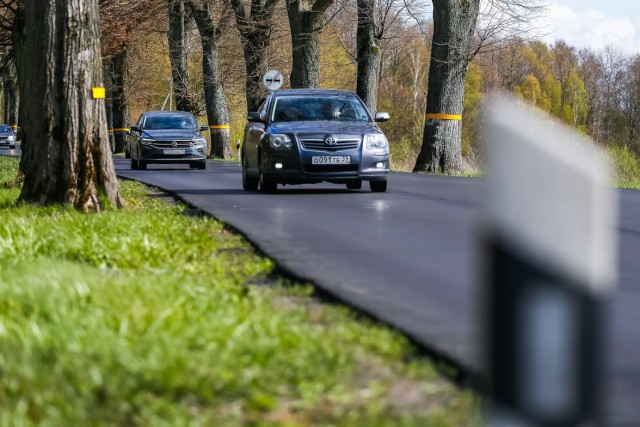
{"x": 5, "y": 128}
{"x": 169, "y": 122}
{"x": 312, "y": 108}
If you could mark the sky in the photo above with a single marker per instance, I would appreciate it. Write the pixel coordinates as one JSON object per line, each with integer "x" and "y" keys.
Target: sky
{"x": 595, "y": 23}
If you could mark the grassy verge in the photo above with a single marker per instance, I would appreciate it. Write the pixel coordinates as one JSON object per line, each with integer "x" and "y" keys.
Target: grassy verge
{"x": 148, "y": 316}
{"x": 626, "y": 167}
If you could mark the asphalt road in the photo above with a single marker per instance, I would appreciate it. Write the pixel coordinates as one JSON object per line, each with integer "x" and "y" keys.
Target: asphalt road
{"x": 406, "y": 256}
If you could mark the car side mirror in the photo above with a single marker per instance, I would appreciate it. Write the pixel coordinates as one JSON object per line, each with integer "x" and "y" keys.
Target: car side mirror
{"x": 254, "y": 116}
{"x": 382, "y": 117}
{"x": 134, "y": 128}
{"x": 204, "y": 128}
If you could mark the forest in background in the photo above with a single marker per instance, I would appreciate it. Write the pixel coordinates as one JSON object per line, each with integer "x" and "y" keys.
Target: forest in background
{"x": 595, "y": 92}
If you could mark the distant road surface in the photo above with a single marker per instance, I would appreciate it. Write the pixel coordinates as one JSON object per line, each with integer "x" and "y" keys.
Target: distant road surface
{"x": 405, "y": 256}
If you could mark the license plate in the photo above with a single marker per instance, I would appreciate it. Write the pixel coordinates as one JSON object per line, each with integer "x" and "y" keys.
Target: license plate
{"x": 173, "y": 152}
{"x": 331, "y": 160}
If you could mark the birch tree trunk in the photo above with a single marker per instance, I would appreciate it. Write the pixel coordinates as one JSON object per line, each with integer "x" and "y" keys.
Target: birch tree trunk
{"x": 216, "y": 103}
{"x": 67, "y": 157}
{"x": 454, "y": 22}
{"x": 368, "y": 54}
{"x": 305, "y": 22}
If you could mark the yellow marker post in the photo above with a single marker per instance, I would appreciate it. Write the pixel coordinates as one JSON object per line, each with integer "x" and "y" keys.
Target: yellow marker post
{"x": 99, "y": 93}
{"x": 219, "y": 127}
{"x": 443, "y": 116}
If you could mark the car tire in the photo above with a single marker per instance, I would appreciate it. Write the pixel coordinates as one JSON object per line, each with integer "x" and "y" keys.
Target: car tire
{"x": 193, "y": 165}
{"x": 134, "y": 163}
{"x": 202, "y": 165}
{"x": 127, "y": 154}
{"x": 142, "y": 165}
{"x": 268, "y": 185}
{"x": 378, "y": 186}
{"x": 248, "y": 183}
{"x": 12, "y": 147}
{"x": 354, "y": 185}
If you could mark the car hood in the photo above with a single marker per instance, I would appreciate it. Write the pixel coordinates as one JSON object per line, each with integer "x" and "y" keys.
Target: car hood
{"x": 328, "y": 127}
{"x": 6, "y": 134}
{"x": 171, "y": 134}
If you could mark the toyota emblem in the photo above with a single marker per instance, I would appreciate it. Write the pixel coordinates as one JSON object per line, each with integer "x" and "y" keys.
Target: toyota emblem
{"x": 331, "y": 141}
{"x": 174, "y": 144}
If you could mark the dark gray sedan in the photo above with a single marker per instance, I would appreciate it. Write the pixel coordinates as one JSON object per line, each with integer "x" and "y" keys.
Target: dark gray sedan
{"x": 303, "y": 136}
{"x": 7, "y": 136}
{"x": 167, "y": 137}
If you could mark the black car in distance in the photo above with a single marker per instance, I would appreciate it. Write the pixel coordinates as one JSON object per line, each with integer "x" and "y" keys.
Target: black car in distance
{"x": 7, "y": 136}
{"x": 304, "y": 136}
{"x": 167, "y": 137}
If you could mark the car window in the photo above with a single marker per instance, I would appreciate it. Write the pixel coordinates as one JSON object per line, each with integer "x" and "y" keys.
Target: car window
{"x": 262, "y": 108}
{"x": 313, "y": 108}
{"x": 5, "y": 128}
{"x": 169, "y": 122}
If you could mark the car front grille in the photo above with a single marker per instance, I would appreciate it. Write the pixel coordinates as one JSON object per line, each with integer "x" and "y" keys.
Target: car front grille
{"x": 321, "y": 145}
{"x": 169, "y": 144}
{"x": 330, "y": 168}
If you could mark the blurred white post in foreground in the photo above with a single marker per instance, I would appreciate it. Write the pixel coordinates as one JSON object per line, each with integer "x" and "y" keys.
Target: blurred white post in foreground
{"x": 549, "y": 245}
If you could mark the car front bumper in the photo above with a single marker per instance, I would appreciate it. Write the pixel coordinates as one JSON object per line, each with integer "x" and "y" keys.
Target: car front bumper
{"x": 296, "y": 167}
{"x": 151, "y": 154}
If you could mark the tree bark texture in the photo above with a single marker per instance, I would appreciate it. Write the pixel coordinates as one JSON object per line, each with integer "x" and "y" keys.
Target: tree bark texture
{"x": 120, "y": 101}
{"x": 454, "y": 22}
{"x": 305, "y": 22}
{"x": 217, "y": 111}
{"x": 255, "y": 35}
{"x": 368, "y": 53}
{"x": 185, "y": 101}
{"x": 67, "y": 157}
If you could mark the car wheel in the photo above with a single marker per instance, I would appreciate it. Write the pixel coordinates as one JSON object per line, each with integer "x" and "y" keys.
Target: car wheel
{"x": 354, "y": 185}
{"x": 12, "y": 146}
{"x": 268, "y": 185}
{"x": 142, "y": 165}
{"x": 248, "y": 183}
{"x": 193, "y": 165}
{"x": 202, "y": 165}
{"x": 378, "y": 186}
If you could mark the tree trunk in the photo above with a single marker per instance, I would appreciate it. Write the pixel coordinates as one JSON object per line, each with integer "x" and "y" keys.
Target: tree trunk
{"x": 10, "y": 104}
{"x": 368, "y": 54}
{"x": 67, "y": 158}
{"x": 305, "y": 22}
{"x": 120, "y": 103}
{"x": 255, "y": 35}
{"x": 255, "y": 54}
{"x": 176, "y": 36}
{"x": 453, "y": 24}
{"x": 217, "y": 111}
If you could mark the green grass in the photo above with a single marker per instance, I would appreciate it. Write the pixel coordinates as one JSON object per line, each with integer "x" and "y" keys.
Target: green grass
{"x": 626, "y": 167}
{"x": 147, "y": 316}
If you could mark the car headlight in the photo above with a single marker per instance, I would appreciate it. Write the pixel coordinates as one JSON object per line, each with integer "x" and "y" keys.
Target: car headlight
{"x": 147, "y": 141}
{"x": 280, "y": 141}
{"x": 11, "y": 138}
{"x": 198, "y": 142}
{"x": 375, "y": 140}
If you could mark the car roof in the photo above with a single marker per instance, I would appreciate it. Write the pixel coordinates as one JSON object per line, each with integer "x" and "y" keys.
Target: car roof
{"x": 167, "y": 113}
{"x": 325, "y": 92}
